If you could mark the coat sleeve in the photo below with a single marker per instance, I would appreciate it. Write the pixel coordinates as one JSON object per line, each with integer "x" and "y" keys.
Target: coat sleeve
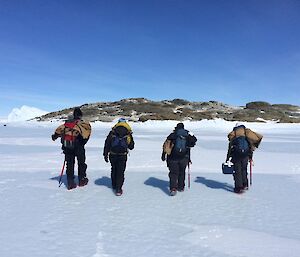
{"x": 228, "y": 152}
{"x": 191, "y": 140}
{"x": 58, "y": 132}
{"x": 107, "y": 144}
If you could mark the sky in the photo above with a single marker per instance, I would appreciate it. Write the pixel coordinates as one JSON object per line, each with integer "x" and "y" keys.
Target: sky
{"x": 58, "y": 54}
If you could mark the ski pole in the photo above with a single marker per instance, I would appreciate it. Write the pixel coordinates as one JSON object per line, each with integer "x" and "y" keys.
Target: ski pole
{"x": 62, "y": 171}
{"x": 189, "y": 175}
{"x": 251, "y": 172}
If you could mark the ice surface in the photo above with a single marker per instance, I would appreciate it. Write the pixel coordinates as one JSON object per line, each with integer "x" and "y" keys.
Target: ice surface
{"x": 38, "y": 218}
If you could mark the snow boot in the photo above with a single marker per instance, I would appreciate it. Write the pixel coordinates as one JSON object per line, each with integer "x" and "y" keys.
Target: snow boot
{"x": 71, "y": 185}
{"x": 238, "y": 190}
{"x": 245, "y": 186}
{"x": 83, "y": 182}
{"x": 119, "y": 192}
{"x": 173, "y": 192}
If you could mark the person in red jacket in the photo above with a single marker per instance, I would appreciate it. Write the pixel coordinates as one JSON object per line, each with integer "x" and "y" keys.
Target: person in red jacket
{"x": 74, "y": 134}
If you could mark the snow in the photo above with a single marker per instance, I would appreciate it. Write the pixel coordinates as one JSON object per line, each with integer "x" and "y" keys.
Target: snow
{"x": 24, "y": 113}
{"x": 38, "y": 218}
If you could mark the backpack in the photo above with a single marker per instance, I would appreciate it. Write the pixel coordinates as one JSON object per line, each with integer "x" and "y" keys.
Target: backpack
{"x": 241, "y": 146}
{"x": 69, "y": 135}
{"x": 119, "y": 144}
{"x": 180, "y": 145}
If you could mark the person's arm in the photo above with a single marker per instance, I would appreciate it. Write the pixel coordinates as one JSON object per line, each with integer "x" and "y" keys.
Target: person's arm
{"x": 165, "y": 148}
{"x": 131, "y": 143}
{"x": 107, "y": 145}
{"x": 58, "y": 132}
{"x": 191, "y": 140}
{"x": 229, "y": 151}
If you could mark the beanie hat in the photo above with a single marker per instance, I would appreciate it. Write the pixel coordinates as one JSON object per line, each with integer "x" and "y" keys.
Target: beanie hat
{"x": 77, "y": 113}
{"x": 179, "y": 126}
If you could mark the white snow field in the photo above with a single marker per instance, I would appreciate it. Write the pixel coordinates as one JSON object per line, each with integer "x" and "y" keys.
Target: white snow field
{"x": 40, "y": 219}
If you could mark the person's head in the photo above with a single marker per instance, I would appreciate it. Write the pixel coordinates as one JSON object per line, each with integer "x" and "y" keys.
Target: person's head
{"x": 77, "y": 113}
{"x": 179, "y": 126}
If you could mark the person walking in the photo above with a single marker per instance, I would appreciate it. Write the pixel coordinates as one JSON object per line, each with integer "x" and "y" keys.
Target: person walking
{"x": 176, "y": 150}
{"x": 74, "y": 134}
{"x": 116, "y": 146}
{"x": 242, "y": 143}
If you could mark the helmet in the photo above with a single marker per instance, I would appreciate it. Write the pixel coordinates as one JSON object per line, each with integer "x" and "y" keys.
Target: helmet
{"x": 122, "y": 120}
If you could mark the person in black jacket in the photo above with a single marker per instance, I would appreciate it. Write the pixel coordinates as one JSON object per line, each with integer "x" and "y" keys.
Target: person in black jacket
{"x": 242, "y": 142}
{"x": 116, "y": 146}
{"x": 177, "y": 148}
{"x": 74, "y": 134}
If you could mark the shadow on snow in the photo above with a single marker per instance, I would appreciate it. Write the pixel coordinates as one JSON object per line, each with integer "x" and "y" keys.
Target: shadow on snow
{"x": 104, "y": 181}
{"x": 159, "y": 183}
{"x": 63, "y": 180}
{"x": 214, "y": 184}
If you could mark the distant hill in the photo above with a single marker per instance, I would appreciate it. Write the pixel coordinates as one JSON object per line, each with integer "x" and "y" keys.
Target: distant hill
{"x": 141, "y": 109}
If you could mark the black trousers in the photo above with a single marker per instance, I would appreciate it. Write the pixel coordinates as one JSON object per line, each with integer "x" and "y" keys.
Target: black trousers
{"x": 240, "y": 171}
{"x": 177, "y": 173}
{"x": 118, "y": 166}
{"x": 70, "y": 155}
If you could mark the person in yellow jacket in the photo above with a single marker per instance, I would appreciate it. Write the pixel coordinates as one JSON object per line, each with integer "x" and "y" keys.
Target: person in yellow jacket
{"x": 116, "y": 146}
{"x": 74, "y": 134}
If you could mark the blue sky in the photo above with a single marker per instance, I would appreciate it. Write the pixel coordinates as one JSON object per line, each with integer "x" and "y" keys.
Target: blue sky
{"x": 58, "y": 54}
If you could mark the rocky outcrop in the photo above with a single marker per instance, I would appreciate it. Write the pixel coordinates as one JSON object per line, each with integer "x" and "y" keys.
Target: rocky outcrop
{"x": 141, "y": 109}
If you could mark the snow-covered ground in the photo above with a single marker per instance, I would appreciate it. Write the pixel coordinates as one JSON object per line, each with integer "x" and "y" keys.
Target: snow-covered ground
{"x": 38, "y": 218}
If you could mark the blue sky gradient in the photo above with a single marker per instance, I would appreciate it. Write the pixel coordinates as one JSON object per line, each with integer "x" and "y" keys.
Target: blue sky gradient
{"x": 57, "y": 54}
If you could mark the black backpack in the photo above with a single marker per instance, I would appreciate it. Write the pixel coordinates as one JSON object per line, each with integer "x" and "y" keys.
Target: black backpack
{"x": 180, "y": 146}
{"x": 241, "y": 146}
{"x": 120, "y": 140}
{"x": 119, "y": 144}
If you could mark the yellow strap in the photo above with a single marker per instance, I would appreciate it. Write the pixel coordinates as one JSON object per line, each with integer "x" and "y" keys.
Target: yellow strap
{"x": 123, "y": 124}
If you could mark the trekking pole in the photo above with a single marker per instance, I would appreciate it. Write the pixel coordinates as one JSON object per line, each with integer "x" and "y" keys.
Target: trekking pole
{"x": 189, "y": 175}
{"x": 251, "y": 172}
{"x": 62, "y": 171}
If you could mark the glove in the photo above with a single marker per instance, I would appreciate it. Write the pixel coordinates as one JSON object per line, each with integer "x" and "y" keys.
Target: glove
{"x": 54, "y": 137}
{"x": 229, "y": 162}
{"x": 163, "y": 157}
{"x": 106, "y": 158}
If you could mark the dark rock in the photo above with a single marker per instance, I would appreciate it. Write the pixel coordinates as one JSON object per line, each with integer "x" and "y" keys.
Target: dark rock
{"x": 258, "y": 105}
{"x": 142, "y": 109}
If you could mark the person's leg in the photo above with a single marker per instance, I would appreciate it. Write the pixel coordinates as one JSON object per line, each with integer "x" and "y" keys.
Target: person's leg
{"x": 120, "y": 171}
{"x": 80, "y": 154}
{"x": 70, "y": 159}
{"x": 244, "y": 164}
{"x": 113, "y": 161}
{"x": 238, "y": 180}
{"x": 181, "y": 176}
{"x": 173, "y": 174}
